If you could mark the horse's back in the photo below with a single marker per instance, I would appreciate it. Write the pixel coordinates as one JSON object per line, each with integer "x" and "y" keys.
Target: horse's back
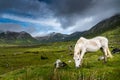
{"x": 102, "y": 40}
{"x": 101, "y": 37}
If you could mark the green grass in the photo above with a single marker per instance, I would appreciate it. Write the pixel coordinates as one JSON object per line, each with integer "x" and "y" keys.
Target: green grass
{"x": 24, "y": 63}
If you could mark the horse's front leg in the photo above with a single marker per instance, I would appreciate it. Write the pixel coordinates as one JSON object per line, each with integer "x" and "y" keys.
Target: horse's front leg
{"x": 81, "y": 56}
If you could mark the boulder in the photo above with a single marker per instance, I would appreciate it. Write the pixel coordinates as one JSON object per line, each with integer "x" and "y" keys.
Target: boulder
{"x": 116, "y": 50}
{"x": 60, "y": 64}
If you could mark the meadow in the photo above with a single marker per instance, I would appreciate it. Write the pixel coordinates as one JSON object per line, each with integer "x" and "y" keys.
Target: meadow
{"x": 25, "y": 62}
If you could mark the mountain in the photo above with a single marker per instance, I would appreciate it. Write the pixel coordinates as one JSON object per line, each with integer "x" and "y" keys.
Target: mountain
{"x": 100, "y": 28}
{"x": 16, "y": 37}
{"x": 52, "y": 37}
{"x": 1, "y": 31}
{"x": 103, "y": 26}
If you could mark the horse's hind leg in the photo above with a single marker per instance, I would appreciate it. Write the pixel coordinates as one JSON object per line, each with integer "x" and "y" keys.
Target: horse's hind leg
{"x": 105, "y": 54}
{"x": 109, "y": 53}
{"x": 81, "y": 56}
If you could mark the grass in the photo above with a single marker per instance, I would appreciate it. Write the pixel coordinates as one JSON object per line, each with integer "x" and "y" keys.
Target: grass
{"x": 25, "y": 63}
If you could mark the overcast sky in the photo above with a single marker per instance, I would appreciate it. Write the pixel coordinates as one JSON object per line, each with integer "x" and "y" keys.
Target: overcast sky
{"x": 40, "y": 17}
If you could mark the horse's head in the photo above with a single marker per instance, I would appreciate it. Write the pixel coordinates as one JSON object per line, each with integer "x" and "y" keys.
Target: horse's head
{"x": 77, "y": 60}
{"x": 77, "y": 52}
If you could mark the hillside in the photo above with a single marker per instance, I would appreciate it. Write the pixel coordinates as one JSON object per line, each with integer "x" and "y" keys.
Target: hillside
{"x": 104, "y": 26}
{"x": 10, "y": 37}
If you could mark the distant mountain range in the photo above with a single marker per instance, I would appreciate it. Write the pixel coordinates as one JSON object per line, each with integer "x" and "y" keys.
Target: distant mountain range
{"x": 16, "y": 37}
{"x": 25, "y": 38}
{"x": 103, "y": 26}
{"x": 52, "y": 37}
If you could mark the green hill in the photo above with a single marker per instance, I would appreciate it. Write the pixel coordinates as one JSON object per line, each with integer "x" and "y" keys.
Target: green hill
{"x": 104, "y": 26}
{"x": 10, "y": 37}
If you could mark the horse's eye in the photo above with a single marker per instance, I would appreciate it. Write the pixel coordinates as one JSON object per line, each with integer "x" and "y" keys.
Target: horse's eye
{"x": 77, "y": 59}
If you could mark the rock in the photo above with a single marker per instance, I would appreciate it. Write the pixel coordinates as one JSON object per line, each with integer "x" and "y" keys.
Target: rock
{"x": 60, "y": 64}
{"x": 43, "y": 57}
{"x": 116, "y": 50}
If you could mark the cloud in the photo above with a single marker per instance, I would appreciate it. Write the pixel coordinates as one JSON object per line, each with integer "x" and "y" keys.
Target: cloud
{"x": 64, "y": 16}
{"x": 71, "y": 11}
{"x": 25, "y": 8}
{"x": 52, "y": 22}
{"x": 67, "y": 11}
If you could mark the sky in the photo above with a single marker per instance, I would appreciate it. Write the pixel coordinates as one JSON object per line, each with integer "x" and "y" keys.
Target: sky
{"x": 41, "y": 17}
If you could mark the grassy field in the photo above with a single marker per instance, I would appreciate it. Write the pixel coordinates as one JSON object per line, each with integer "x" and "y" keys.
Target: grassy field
{"x": 25, "y": 63}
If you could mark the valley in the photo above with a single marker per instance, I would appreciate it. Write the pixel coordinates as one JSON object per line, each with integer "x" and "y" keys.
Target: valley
{"x": 24, "y": 62}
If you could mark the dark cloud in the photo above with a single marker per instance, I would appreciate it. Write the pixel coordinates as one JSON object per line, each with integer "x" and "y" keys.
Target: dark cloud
{"x": 80, "y": 14}
{"x": 67, "y": 11}
{"x": 71, "y": 7}
{"x": 70, "y": 11}
{"x": 26, "y": 8}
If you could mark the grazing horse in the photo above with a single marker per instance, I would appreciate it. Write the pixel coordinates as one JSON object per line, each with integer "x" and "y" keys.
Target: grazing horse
{"x": 84, "y": 45}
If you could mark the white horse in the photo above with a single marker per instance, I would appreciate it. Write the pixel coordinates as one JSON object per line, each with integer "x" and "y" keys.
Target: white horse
{"x": 84, "y": 45}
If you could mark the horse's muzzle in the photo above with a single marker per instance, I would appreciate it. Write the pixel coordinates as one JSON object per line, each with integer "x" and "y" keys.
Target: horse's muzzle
{"x": 77, "y": 67}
